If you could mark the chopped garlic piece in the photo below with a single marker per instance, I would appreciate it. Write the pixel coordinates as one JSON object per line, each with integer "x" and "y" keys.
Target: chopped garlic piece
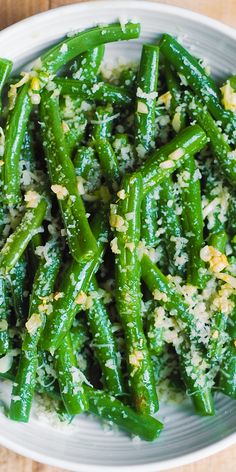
{"x": 229, "y": 279}
{"x": 81, "y": 298}
{"x": 165, "y": 99}
{"x": 33, "y": 323}
{"x": 32, "y": 198}
{"x": 142, "y": 108}
{"x": 135, "y": 358}
{"x": 176, "y": 121}
{"x": 215, "y": 335}
{"x": 2, "y": 143}
{"x": 228, "y": 97}
{"x": 1, "y": 163}
{"x": 80, "y": 185}
{"x": 116, "y": 221}
{"x": 3, "y": 325}
{"x": 177, "y": 154}
{"x": 114, "y": 246}
{"x": 215, "y": 258}
{"x": 160, "y": 296}
{"x": 65, "y": 126}
{"x": 58, "y": 295}
{"x": 130, "y": 246}
{"x": 121, "y": 194}
{"x": 60, "y": 191}
{"x": 166, "y": 164}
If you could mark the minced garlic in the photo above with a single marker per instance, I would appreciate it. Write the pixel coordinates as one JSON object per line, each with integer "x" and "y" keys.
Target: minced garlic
{"x": 32, "y": 199}
{"x": 60, "y": 191}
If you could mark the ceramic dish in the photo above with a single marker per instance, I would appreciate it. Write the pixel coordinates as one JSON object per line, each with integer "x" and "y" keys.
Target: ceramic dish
{"x": 88, "y": 446}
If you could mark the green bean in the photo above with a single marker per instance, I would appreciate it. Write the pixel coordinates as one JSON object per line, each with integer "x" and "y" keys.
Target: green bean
{"x": 176, "y": 108}
{"x": 104, "y": 405}
{"x": 75, "y": 282}
{"x": 218, "y": 240}
{"x": 192, "y": 221}
{"x": 19, "y": 286}
{"x": 194, "y": 375}
{"x": 128, "y": 79}
{"x": 173, "y": 236}
{"x": 103, "y": 342}
{"x": 87, "y": 166}
{"x": 102, "y": 124}
{"x": 79, "y": 335}
{"x": 219, "y": 319}
{"x": 75, "y": 132}
{"x": 146, "y": 99}
{"x": 227, "y": 383}
{"x": 145, "y": 131}
{"x": 80, "y": 238}
{"x": 221, "y": 149}
{"x": 128, "y": 295}
{"x": 197, "y": 79}
{"x": 17, "y": 242}
{"x": 149, "y": 217}
{"x": 4, "y": 315}
{"x": 70, "y": 378}
{"x": 14, "y": 137}
{"x": 154, "y": 333}
{"x": 5, "y": 69}
{"x": 86, "y": 65}
{"x": 109, "y": 163}
{"x": 99, "y": 92}
{"x": 189, "y": 141}
{"x": 71, "y": 47}
{"x": 172, "y": 300}
{"x": 40, "y": 303}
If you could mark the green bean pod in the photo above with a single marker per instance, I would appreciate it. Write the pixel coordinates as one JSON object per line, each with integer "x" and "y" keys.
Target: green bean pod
{"x": 149, "y": 218}
{"x": 109, "y": 163}
{"x": 201, "y": 83}
{"x": 70, "y": 378}
{"x": 40, "y": 303}
{"x": 75, "y": 281}
{"x": 162, "y": 163}
{"x": 220, "y": 146}
{"x": 5, "y": 70}
{"x": 128, "y": 296}
{"x": 176, "y": 107}
{"x": 80, "y": 238}
{"x": 146, "y": 99}
{"x": 200, "y": 394}
{"x": 19, "y": 286}
{"x": 110, "y": 408}
{"x": 4, "y": 315}
{"x": 192, "y": 221}
{"x": 102, "y": 123}
{"x": 173, "y": 236}
{"x": 14, "y": 137}
{"x": 100, "y": 92}
{"x": 17, "y": 242}
{"x": 104, "y": 343}
{"x": 219, "y": 319}
{"x": 86, "y": 65}
{"x": 71, "y": 47}
{"x": 87, "y": 166}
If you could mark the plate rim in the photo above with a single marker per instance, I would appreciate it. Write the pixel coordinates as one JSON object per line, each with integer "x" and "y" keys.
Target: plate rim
{"x": 229, "y": 440}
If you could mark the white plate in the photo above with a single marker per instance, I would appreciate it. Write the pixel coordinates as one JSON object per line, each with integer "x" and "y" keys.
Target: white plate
{"x": 186, "y": 437}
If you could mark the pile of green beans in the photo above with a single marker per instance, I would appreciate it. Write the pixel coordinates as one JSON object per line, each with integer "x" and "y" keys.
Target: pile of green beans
{"x": 104, "y": 272}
